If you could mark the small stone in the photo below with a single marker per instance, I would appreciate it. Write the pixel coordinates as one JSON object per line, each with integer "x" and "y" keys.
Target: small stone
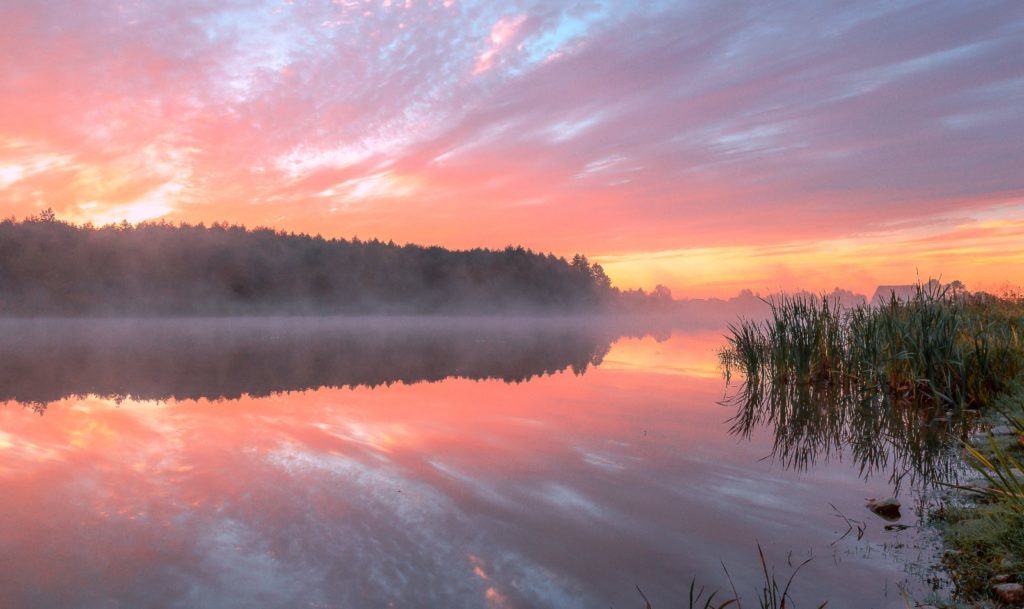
{"x": 1001, "y": 430}
{"x": 896, "y": 527}
{"x": 1002, "y": 578}
{"x": 1011, "y": 594}
{"x": 886, "y": 508}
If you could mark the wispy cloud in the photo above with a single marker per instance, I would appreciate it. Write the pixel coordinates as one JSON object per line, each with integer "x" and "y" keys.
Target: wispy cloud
{"x": 503, "y": 34}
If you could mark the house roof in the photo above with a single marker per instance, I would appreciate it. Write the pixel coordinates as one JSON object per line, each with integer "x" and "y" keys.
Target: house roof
{"x": 902, "y": 292}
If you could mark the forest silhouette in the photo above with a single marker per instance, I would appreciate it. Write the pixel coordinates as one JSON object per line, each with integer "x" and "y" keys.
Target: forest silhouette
{"x": 52, "y": 267}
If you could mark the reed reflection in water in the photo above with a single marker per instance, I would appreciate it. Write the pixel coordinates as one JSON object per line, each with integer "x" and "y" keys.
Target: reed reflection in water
{"x": 908, "y": 441}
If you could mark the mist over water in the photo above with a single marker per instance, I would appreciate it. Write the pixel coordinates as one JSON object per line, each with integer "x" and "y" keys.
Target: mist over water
{"x": 408, "y": 462}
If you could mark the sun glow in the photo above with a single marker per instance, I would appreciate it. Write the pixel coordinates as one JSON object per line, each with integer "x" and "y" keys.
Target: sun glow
{"x": 986, "y": 251}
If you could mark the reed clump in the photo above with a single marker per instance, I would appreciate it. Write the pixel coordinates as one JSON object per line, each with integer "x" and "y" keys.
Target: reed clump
{"x": 936, "y": 347}
{"x": 906, "y": 381}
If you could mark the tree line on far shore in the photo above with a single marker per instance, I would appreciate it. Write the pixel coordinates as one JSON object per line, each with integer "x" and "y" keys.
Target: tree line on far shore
{"x": 52, "y": 267}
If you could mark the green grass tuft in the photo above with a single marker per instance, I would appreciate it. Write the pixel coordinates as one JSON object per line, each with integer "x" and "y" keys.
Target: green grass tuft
{"x": 951, "y": 350}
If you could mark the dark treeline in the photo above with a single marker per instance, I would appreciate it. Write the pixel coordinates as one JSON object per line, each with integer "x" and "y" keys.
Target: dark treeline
{"x": 46, "y": 360}
{"x": 50, "y": 267}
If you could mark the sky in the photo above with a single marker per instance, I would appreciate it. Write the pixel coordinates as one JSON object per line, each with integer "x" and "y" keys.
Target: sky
{"x": 707, "y": 146}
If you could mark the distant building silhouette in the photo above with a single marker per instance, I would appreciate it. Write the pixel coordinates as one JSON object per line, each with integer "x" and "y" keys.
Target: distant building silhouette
{"x": 885, "y": 293}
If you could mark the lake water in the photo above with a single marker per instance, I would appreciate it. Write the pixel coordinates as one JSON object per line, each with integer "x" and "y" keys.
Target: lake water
{"x": 408, "y": 463}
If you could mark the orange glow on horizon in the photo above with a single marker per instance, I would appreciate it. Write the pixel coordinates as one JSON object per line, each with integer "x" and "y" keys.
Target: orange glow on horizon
{"x": 984, "y": 254}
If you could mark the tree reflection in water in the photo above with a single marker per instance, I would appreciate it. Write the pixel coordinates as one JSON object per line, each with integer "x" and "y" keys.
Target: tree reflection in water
{"x": 47, "y": 360}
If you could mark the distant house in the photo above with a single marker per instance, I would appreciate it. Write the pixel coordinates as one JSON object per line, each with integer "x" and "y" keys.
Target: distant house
{"x": 885, "y": 293}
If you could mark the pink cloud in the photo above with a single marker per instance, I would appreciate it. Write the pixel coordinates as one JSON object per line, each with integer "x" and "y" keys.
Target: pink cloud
{"x": 503, "y": 33}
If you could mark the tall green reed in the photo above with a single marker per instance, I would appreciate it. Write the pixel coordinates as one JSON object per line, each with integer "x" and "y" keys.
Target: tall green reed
{"x": 953, "y": 350}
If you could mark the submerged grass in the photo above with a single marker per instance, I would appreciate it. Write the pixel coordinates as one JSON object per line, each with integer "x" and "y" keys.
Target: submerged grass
{"x": 773, "y": 593}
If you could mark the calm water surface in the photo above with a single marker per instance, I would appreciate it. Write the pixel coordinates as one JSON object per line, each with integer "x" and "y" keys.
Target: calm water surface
{"x": 363, "y": 464}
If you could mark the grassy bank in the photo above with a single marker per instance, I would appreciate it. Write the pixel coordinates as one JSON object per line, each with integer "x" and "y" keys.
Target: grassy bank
{"x": 909, "y": 380}
{"x": 984, "y": 533}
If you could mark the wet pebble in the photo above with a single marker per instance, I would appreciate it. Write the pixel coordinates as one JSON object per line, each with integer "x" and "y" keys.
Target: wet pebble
{"x": 886, "y": 508}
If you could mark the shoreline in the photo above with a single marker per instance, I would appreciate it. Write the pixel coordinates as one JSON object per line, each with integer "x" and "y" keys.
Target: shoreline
{"x": 982, "y": 533}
